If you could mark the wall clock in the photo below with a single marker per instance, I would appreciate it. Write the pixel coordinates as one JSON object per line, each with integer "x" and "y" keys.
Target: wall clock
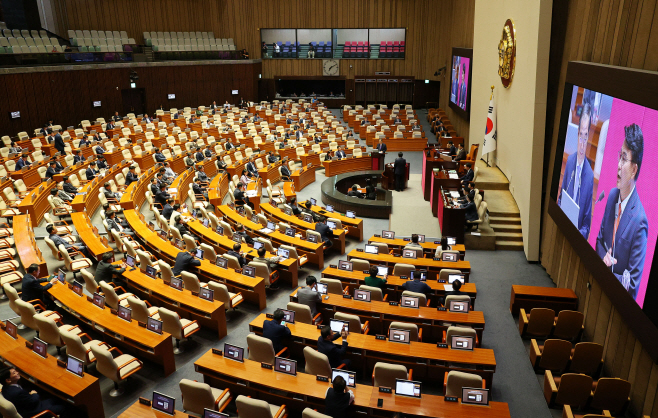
{"x": 330, "y": 67}
{"x": 507, "y": 54}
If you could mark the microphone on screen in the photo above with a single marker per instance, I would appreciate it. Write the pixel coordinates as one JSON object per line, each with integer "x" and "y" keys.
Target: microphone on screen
{"x": 601, "y": 196}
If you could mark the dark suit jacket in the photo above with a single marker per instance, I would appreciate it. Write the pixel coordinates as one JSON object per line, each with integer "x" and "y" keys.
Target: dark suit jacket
{"x": 240, "y": 195}
{"x": 50, "y": 172}
{"x": 160, "y": 157}
{"x": 631, "y": 240}
{"x": 162, "y": 197}
{"x": 469, "y": 176}
{"x": 228, "y": 146}
{"x": 585, "y": 194}
{"x": 77, "y": 159}
{"x": 26, "y": 405}
{"x": 32, "y": 288}
{"x": 461, "y": 155}
{"x": 417, "y": 286}
{"x": 167, "y": 211}
{"x": 105, "y": 271}
{"x": 130, "y": 177}
{"x": 285, "y": 171}
{"x": 69, "y": 188}
{"x": 99, "y": 150}
{"x": 355, "y": 194}
{"x": 196, "y": 189}
{"x": 324, "y": 231}
{"x": 334, "y": 352}
{"x": 453, "y": 150}
{"x": 275, "y": 332}
{"x": 91, "y": 173}
{"x": 199, "y": 156}
{"x": 20, "y": 163}
{"x": 381, "y": 147}
{"x": 184, "y": 262}
{"x": 341, "y": 154}
{"x": 116, "y": 118}
{"x": 251, "y": 168}
{"x": 400, "y": 166}
{"x": 59, "y": 143}
{"x": 471, "y": 212}
{"x": 237, "y": 255}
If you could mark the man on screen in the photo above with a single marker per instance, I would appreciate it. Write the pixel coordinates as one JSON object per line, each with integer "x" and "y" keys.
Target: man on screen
{"x": 622, "y": 239}
{"x": 578, "y": 180}
{"x": 463, "y": 86}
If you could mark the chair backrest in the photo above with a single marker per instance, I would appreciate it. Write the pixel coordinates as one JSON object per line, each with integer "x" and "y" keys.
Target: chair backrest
{"x": 384, "y": 374}
{"x": 105, "y": 363}
{"x": 250, "y": 407}
{"x": 8, "y": 410}
{"x": 457, "y": 380}
{"x": 334, "y": 286}
{"x": 555, "y": 355}
{"x": 354, "y": 320}
{"x": 382, "y": 248}
{"x": 208, "y": 252}
{"x": 540, "y": 322}
{"x": 74, "y": 346}
{"x": 111, "y": 298}
{"x": 171, "y": 323}
{"x": 574, "y": 389}
{"x": 139, "y": 309}
{"x": 375, "y": 292}
{"x": 568, "y": 325}
{"x": 611, "y": 394}
{"x": 316, "y": 362}
{"x": 12, "y": 295}
{"x": 260, "y": 349}
{"x": 196, "y": 396}
{"x": 48, "y": 330}
{"x": 144, "y": 259}
{"x": 360, "y": 265}
{"x": 586, "y": 358}
{"x": 460, "y": 298}
{"x": 402, "y": 269}
{"x": 191, "y": 281}
{"x": 310, "y": 413}
{"x": 412, "y": 328}
{"x": 302, "y": 312}
{"x": 220, "y": 293}
{"x": 422, "y": 298}
{"x": 27, "y": 313}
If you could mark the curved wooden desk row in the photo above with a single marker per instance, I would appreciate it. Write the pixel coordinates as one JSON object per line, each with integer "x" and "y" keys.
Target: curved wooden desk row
{"x": 354, "y": 279}
{"x": 314, "y": 251}
{"x": 138, "y": 410}
{"x": 354, "y": 225}
{"x": 84, "y": 392}
{"x": 302, "y": 178}
{"x": 218, "y": 188}
{"x": 88, "y": 233}
{"x": 300, "y": 225}
{"x": 35, "y": 203}
{"x": 87, "y": 197}
{"x": 428, "y": 361}
{"x": 131, "y": 337}
{"x": 332, "y": 168}
{"x": 433, "y": 267}
{"x": 381, "y": 314}
{"x": 429, "y": 247}
{"x": 26, "y": 245}
{"x": 304, "y": 391}
{"x": 253, "y": 289}
{"x": 135, "y": 194}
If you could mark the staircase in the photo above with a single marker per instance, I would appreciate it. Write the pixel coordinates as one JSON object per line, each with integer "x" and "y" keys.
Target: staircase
{"x": 508, "y": 230}
{"x": 148, "y": 53}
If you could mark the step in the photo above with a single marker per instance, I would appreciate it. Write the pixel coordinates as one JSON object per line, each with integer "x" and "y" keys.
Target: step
{"x": 505, "y": 228}
{"x": 509, "y": 236}
{"x": 500, "y": 220}
{"x": 502, "y": 245}
{"x": 503, "y": 214}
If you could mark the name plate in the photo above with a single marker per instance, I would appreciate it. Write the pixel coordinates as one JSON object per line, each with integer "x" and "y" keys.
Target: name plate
{"x": 360, "y": 250}
{"x": 61, "y": 363}
{"x": 451, "y": 399}
{"x": 397, "y": 255}
{"x": 441, "y": 308}
{"x": 441, "y": 281}
{"x": 437, "y": 242}
{"x": 366, "y": 271}
{"x": 321, "y": 378}
{"x": 217, "y": 351}
{"x": 380, "y": 337}
{"x": 319, "y": 326}
{"x": 333, "y": 266}
{"x": 406, "y": 239}
{"x": 436, "y": 259}
{"x": 404, "y": 277}
{"x": 347, "y": 296}
{"x": 384, "y": 389}
{"x": 269, "y": 315}
{"x": 442, "y": 345}
{"x": 266, "y": 366}
{"x": 144, "y": 401}
{"x": 393, "y": 303}
{"x": 377, "y": 236}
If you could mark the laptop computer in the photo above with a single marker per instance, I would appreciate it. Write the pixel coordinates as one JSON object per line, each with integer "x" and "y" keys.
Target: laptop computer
{"x": 350, "y": 377}
{"x": 330, "y": 208}
{"x": 382, "y": 271}
{"x": 338, "y": 326}
{"x": 283, "y": 253}
{"x": 453, "y": 277}
{"x": 332, "y": 225}
{"x": 322, "y": 288}
{"x": 350, "y": 214}
{"x": 288, "y": 316}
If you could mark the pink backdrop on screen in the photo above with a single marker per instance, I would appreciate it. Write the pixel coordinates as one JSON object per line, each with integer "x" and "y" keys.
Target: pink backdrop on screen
{"x": 624, "y": 114}
{"x": 466, "y": 62}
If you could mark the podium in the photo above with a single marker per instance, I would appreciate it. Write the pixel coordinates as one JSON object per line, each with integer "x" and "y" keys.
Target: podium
{"x": 378, "y": 160}
{"x": 388, "y": 177}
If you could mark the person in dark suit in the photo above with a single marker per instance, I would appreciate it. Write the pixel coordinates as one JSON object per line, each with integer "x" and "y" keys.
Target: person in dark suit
{"x": 116, "y": 117}
{"x": 185, "y": 261}
{"x": 239, "y": 230}
{"x": 285, "y": 173}
{"x": 68, "y": 187}
{"x": 578, "y": 179}
{"x": 189, "y": 161}
{"x": 162, "y": 196}
{"x": 325, "y": 232}
{"x": 399, "y": 171}
{"x": 228, "y": 145}
{"x": 271, "y": 158}
{"x": 29, "y": 404}
{"x": 146, "y": 119}
{"x": 251, "y": 168}
{"x": 99, "y": 150}
{"x": 471, "y": 212}
{"x": 416, "y": 126}
{"x": 198, "y": 190}
{"x": 354, "y": 192}
{"x": 337, "y": 400}
{"x": 364, "y": 122}
{"x": 468, "y": 177}
{"x": 207, "y": 152}
{"x": 333, "y": 352}
{"x": 51, "y": 171}
{"x": 239, "y": 194}
{"x": 622, "y": 239}
{"x": 131, "y": 176}
{"x": 199, "y": 155}
{"x": 168, "y": 209}
{"x": 237, "y": 253}
{"x": 340, "y": 153}
{"x": 116, "y": 224}
{"x": 57, "y": 240}
{"x": 159, "y": 156}
{"x": 461, "y": 153}
{"x": 59, "y": 143}
{"x": 31, "y": 286}
{"x": 77, "y": 157}
{"x": 176, "y": 115}
{"x": 451, "y": 148}
{"x": 22, "y": 162}
{"x": 105, "y": 270}
{"x": 417, "y": 286}
{"x": 91, "y": 172}
{"x": 213, "y": 105}
{"x": 381, "y": 147}
{"x": 276, "y": 331}
{"x": 397, "y": 120}
{"x": 462, "y": 91}
{"x": 109, "y": 125}
{"x": 83, "y": 142}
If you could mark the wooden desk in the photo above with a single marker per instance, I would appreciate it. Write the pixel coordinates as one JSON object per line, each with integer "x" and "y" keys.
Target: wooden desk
{"x": 300, "y": 225}
{"x": 132, "y": 338}
{"x": 115, "y": 156}
{"x": 314, "y": 251}
{"x": 528, "y": 297}
{"x": 89, "y": 235}
{"x": 207, "y": 314}
{"x": 451, "y": 218}
{"x": 35, "y": 204}
{"x": 144, "y": 161}
{"x": 137, "y": 410}
{"x": 218, "y": 188}
{"x": 433, "y": 267}
{"x": 84, "y": 392}
{"x": 313, "y": 159}
{"x": 288, "y": 269}
{"x": 440, "y": 181}
{"x": 354, "y": 279}
{"x": 87, "y": 197}
{"x": 270, "y": 172}
{"x": 380, "y": 315}
{"x": 428, "y": 361}
{"x": 29, "y": 175}
{"x": 354, "y": 225}
{"x": 429, "y": 247}
{"x": 26, "y": 245}
{"x": 135, "y": 194}
{"x": 253, "y": 289}
{"x": 303, "y": 390}
{"x": 331, "y": 168}
{"x": 303, "y": 178}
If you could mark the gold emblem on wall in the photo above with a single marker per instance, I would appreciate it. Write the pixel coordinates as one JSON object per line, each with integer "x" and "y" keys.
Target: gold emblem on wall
{"x": 507, "y": 53}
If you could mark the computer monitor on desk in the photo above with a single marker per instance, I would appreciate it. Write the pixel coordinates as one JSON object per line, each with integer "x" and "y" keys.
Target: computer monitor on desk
{"x": 451, "y": 240}
{"x": 407, "y": 388}
{"x": 332, "y": 225}
{"x": 461, "y": 343}
{"x": 382, "y": 271}
{"x": 409, "y": 302}
{"x": 150, "y": 271}
{"x": 453, "y": 277}
{"x": 249, "y": 271}
{"x": 388, "y": 234}
{"x": 284, "y": 365}
{"x": 459, "y": 306}
{"x": 234, "y": 352}
{"x": 350, "y": 377}
{"x": 209, "y": 413}
{"x": 288, "y": 316}
{"x": 475, "y": 396}
{"x": 399, "y": 335}
{"x": 75, "y": 365}
{"x": 322, "y": 288}
{"x": 257, "y": 245}
{"x": 362, "y": 295}
{"x": 409, "y": 254}
{"x": 344, "y": 265}
{"x": 371, "y": 249}
{"x": 450, "y": 257}
{"x": 163, "y": 403}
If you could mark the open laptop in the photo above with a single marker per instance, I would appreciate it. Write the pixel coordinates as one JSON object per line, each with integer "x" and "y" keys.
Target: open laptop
{"x": 459, "y": 306}
{"x": 451, "y": 240}
{"x": 254, "y": 218}
{"x": 409, "y": 302}
{"x": 362, "y": 295}
{"x": 407, "y": 388}
{"x": 345, "y": 265}
{"x": 475, "y": 396}
{"x": 330, "y": 208}
{"x": 388, "y": 234}
{"x": 399, "y": 335}
{"x": 332, "y": 225}
{"x": 284, "y": 365}
{"x": 422, "y": 274}
{"x": 371, "y": 249}
{"x": 234, "y": 352}
{"x": 382, "y": 271}
{"x": 269, "y": 228}
{"x": 350, "y": 377}
{"x": 421, "y": 238}
{"x": 257, "y": 245}
{"x": 163, "y": 403}
{"x": 462, "y": 343}
{"x": 313, "y": 201}
{"x": 453, "y": 277}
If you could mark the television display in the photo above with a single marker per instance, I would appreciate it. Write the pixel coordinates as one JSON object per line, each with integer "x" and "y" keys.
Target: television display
{"x": 96, "y": 103}
{"x": 607, "y": 180}
{"x": 460, "y": 80}
{"x": 171, "y": 96}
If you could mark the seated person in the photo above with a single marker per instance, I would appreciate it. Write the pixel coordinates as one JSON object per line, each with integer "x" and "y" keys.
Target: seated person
{"x": 294, "y": 207}
{"x": 413, "y": 245}
{"x": 244, "y": 178}
{"x": 307, "y": 209}
{"x": 285, "y": 173}
{"x": 417, "y": 286}
{"x": 270, "y": 262}
{"x": 443, "y": 246}
{"x": 371, "y": 191}
{"x": 325, "y": 232}
{"x": 373, "y": 280}
{"x": 106, "y": 271}
{"x": 239, "y": 230}
{"x": 334, "y": 352}
{"x": 237, "y": 253}
{"x": 199, "y": 190}
{"x": 57, "y": 240}
{"x": 168, "y": 209}
{"x": 185, "y": 260}
{"x": 61, "y": 193}
{"x": 354, "y": 192}
{"x": 337, "y": 401}
{"x": 456, "y": 290}
{"x": 58, "y": 202}
{"x": 131, "y": 176}
{"x": 276, "y": 330}
{"x": 117, "y": 224}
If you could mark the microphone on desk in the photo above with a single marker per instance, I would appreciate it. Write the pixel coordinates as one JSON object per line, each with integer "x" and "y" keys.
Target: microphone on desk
{"x": 573, "y": 174}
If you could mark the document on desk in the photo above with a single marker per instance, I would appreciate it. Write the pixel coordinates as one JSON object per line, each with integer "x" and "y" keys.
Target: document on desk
{"x": 266, "y": 231}
{"x": 252, "y": 193}
{"x": 447, "y": 287}
{"x": 453, "y": 176}
{"x": 570, "y": 208}
{"x": 172, "y": 190}
{"x": 454, "y": 194}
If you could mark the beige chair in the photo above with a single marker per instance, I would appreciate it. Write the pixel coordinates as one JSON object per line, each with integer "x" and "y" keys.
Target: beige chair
{"x": 263, "y": 270}
{"x": 360, "y": 265}
{"x": 402, "y": 269}
{"x": 460, "y": 331}
{"x": 376, "y": 293}
{"x": 117, "y": 369}
{"x": 422, "y": 298}
{"x": 76, "y": 348}
{"x": 334, "y": 286}
{"x": 73, "y": 265}
{"x": 142, "y": 309}
{"x": 354, "y": 321}
{"x": 8, "y": 410}
{"x": 208, "y": 252}
{"x": 197, "y": 396}
{"x": 414, "y": 333}
{"x": 382, "y": 248}
{"x": 482, "y": 214}
{"x": 111, "y": 298}
{"x": 461, "y": 298}
{"x": 49, "y": 331}
{"x": 221, "y": 293}
{"x": 28, "y": 312}
{"x": 444, "y": 274}
{"x": 317, "y": 363}
{"x": 261, "y": 349}
{"x": 310, "y": 413}
{"x": 90, "y": 281}
{"x": 12, "y": 296}
{"x": 455, "y": 381}
{"x": 384, "y": 374}
{"x": 179, "y": 328}
{"x": 191, "y": 282}
{"x": 256, "y": 408}
{"x": 303, "y": 314}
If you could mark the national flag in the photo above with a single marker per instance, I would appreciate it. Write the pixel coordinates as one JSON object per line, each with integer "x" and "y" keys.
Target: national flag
{"x": 489, "y": 143}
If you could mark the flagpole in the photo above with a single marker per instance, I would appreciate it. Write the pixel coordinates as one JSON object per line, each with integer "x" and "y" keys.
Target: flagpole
{"x": 490, "y": 97}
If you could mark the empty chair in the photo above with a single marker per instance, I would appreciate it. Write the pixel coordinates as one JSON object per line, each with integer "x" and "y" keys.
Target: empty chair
{"x": 118, "y": 369}
{"x": 303, "y": 314}
{"x": 28, "y": 312}
{"x": 310, "y": 413}
{"x": 414, "y": 333}
{"x": 571, "y": 389}
{"x": 49, "y": 331}
{"x": 375, "y": 293}
{"x": 553, "y": 355}
{"x": 569, "y": 325}
{"x": 611, "y": 394}
{"x": 111, "y": 298}
{"x": 261, "y": 349}
{"x": 252, "y": 408}
{"x": 538, "y": 323}
{"x": 333, "y": 285}
{"x": 179, "y": 328}
{"x": 402, "y": 269}
{"x": 587, "y": 358}
{"x": 460, "y": 298}
{"x": 191, "y": 282}
{"x": 142, "y": 310}
{"x": 384, "y": 374}
{"x": 459, "y": 331}
{"x": 76, "y": 348}
{"x": 361, "y": 265}
{"x": 422, "y": 298}
{"x": 317, "y": 363}
{"x": 221, "y": 293}
{"x": 354, "y": 322}
{"x": 455, "y": 381}
{"x": 198, "y": 396}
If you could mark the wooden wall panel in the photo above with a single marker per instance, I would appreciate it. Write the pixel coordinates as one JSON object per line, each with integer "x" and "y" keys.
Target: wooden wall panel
{"x": 433, "y": 28}
{"x": 66, "y": 96}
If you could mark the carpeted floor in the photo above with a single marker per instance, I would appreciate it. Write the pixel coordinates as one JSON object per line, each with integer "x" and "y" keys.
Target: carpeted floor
{"x": 492, "y": 272}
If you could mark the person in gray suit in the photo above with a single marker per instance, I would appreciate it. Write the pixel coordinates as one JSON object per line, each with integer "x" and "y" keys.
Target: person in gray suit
{"x": 309, "y": 295}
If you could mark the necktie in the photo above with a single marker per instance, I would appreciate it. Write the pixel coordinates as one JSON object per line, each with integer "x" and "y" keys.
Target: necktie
{"x": 614, "y": 231}
{"x": 577, "y": 191}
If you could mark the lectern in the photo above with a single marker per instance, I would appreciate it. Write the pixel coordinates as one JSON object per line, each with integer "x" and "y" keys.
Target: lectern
{"x": 378, "y": 160}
